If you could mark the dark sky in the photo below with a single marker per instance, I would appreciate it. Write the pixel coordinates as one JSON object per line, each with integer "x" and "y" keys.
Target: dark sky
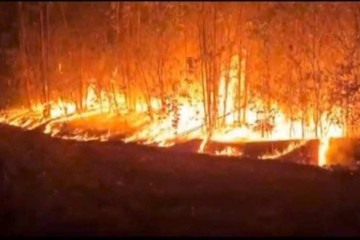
{"x": 8, "y": 33}
{"x": 8, "y": 43}
{"x": 8, "y": 23}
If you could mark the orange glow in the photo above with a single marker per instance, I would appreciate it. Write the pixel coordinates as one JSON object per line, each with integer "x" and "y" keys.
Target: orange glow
{"x": 184, "y": 119}
{"x": 323, "y": 149}
{"x": 229, "y": 151}
{"x": 291, "y": 147}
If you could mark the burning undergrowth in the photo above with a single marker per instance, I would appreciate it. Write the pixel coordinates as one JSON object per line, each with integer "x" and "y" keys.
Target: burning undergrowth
{"x": 206, "y": 90}
{"x": 214, "y": 78}
{"x": 224, "y": 94}
{"x": 182, "y": 122}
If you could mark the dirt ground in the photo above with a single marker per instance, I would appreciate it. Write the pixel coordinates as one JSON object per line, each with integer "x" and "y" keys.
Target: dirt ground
{"x": 56, "y": 187}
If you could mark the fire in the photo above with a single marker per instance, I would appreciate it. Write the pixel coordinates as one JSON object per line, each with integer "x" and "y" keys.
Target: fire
{"x": 331, "y": 132}
{"x": 290, "y": 148}
{"x": 163, "y": 132}
{"x": 183, "y": 119}
{"x": 323, "y": 149}
{"x": 202, "y": 145}
{"x": 229, "y": 151}
{"x": 61, "y": 109}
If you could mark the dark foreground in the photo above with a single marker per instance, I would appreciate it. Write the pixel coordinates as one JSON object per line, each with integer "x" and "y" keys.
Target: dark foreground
{"x": 56, "y": 187}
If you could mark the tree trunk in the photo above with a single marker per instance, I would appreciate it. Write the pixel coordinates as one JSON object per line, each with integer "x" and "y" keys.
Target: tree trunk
{"x": 244, "y": 89}
{"x": 81, "y": 80}
{"x": 202, "y": 47}
{"x": 43, "y": 56}
{"x": 24, "y": 66}
{"x": 47, "y": 51}
{"x": 241, "y": 92}
{"x": 268, "y": 84}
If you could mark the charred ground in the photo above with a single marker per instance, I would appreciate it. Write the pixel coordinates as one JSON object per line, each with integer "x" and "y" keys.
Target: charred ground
{"x": 56, "y": 187}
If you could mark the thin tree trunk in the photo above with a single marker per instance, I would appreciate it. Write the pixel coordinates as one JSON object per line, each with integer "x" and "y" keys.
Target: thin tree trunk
{"x": 244, "y": 74}
{"x": 215, "y": 75}
{"x": 202, "y": 45}
{"x": 24, "y": 65}
{"x": 315, "y": 79}
{"x": 43, "y": 57}
{"x": 117, "y": 55}
{"x": 148, "y": 94}
{"x": 240, "y": 90}
{"x": 268, "y": 85}
{"x": 47, "y": 50}
{"x": 81, "y": 79}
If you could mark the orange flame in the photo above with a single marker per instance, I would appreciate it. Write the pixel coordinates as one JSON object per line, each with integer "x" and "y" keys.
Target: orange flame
{"x": 183, "y": 121}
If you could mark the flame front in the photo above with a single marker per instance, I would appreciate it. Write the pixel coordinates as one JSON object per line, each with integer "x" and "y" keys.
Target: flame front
{"x": 229, "y": 151}
{"x": 182, "y": 121}
{"x": 290, "y": 148}
{"x": 323, "y": 150}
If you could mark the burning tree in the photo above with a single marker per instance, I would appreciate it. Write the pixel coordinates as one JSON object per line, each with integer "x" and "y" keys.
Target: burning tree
{"x": 214, "y": 71}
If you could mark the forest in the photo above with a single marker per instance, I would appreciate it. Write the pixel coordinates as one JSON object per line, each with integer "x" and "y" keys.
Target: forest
{"x": 179, "y": 118}
{"x": 225, "y": 71}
